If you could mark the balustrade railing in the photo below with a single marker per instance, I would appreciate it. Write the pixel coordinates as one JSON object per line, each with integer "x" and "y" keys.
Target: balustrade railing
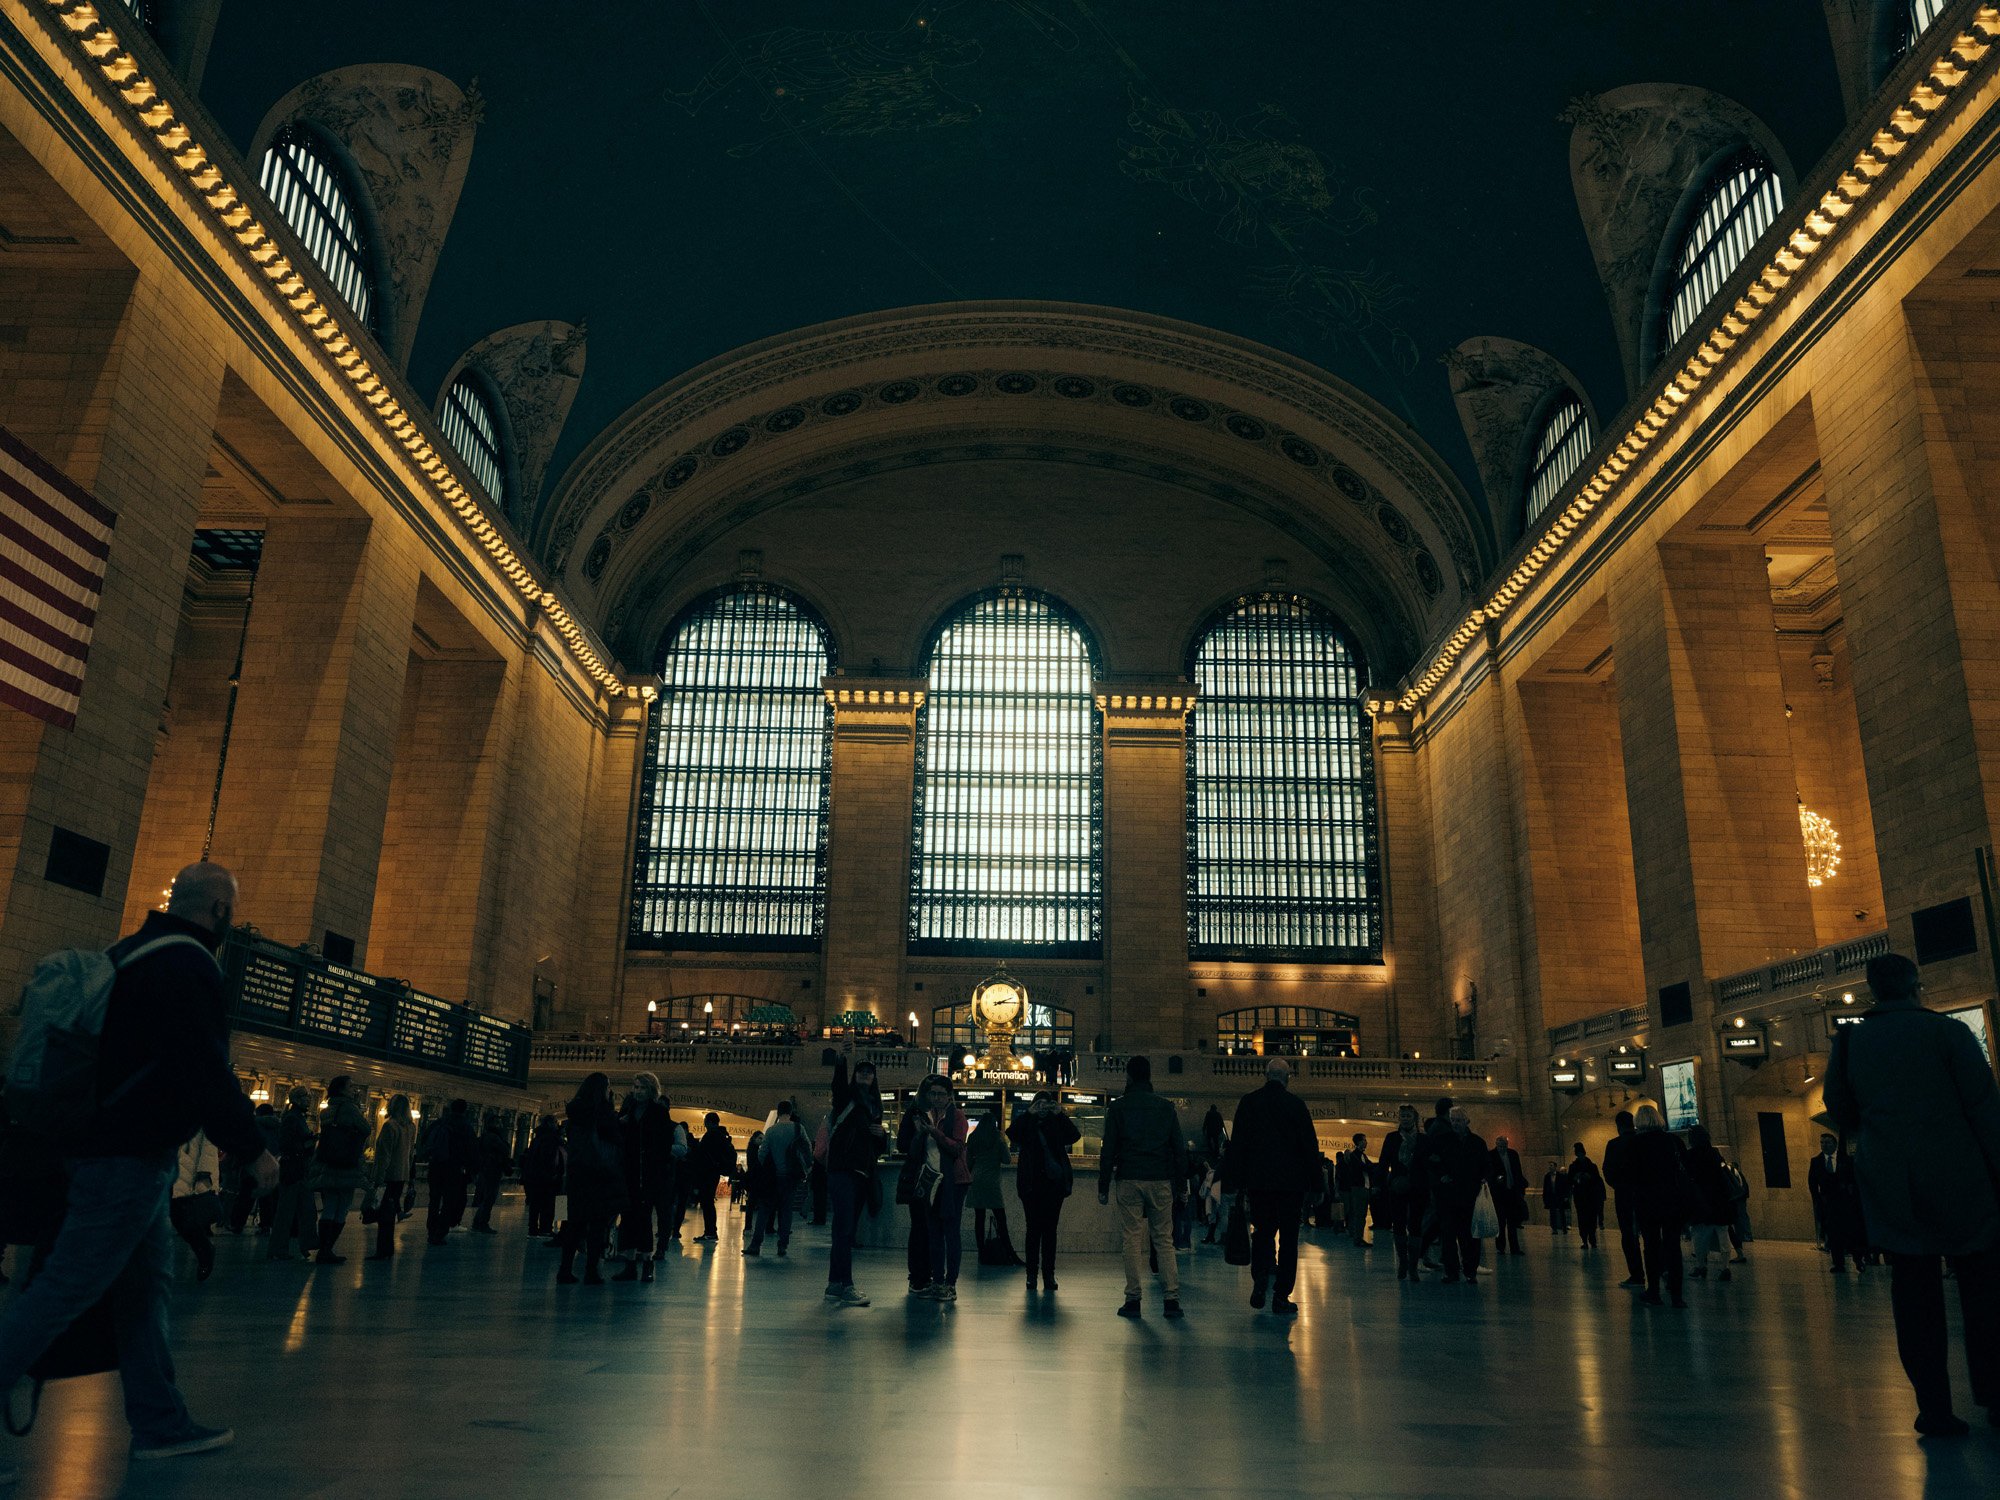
{"x": 1806, "y": 971}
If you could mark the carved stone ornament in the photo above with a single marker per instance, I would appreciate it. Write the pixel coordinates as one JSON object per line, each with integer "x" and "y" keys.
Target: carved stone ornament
{"x": 535, "y": 368}
{"x": 407, "y": 135}
{"x": 1501, "y": 388}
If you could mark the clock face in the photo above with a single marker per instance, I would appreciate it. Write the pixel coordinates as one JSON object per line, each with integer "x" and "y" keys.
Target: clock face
{"x": 1000, "y": 1004}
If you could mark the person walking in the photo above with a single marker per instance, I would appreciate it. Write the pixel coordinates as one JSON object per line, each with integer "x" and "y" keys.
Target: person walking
{"x": 595, "y": 1176}
{"x": 937, "y": 1131}
{"x": 1043, "y": 1178}
{"x": 750, "y": 1185}
{"x": 1272, "y": 1159}
{"x": 453, "y": 1152}
{"x": 646, "y": 1145}
{"x": 855, "y": 1136}
{"x": 1509, "y": 1185}
{"x": 787, "y": 1160}
{"x": 1712, "y": 1213}
{"x": 293, "y": 1215}
{"x": 162, "y": 1074}
{"x": 542, "y": 1174}
{"x": 1586, "y": 1195}
{"x": 194, "y": 1206}
{"x": 1404, "y": 1192}
{"x": 1654, "y": 1167}
{"x": 1836, "y": 1198}
{"x": 1456, "y": 1164}
{"x": 337, "y": 1164}
{"x": 491, "y": 1158}
{"x": 1739, "y": 1206}
{"x": 1555, "y": 1198}
{"x": 986, "y": 1151}
{"x": 1354, "y": 1181}
{"x": 1618, "y": 1178}
{"x": 1212, "y": 1137}
{"x": 389, "y": 1172}
{"x": 715, "y": 1159}
{"x": 1913, "y": 1092}
{"x": 1145, "y": 1155}
{"x": 249, "y": 1200}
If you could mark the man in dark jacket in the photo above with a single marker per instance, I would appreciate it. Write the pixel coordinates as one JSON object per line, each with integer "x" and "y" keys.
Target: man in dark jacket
{"x": 1403, "y": 1190}
{"x": 1510, "y": 1194}
{"x": 1454, "y": 1170}
{"x": 454, "y": 1154}
{"x": 717, "y": 1158}
{"x": 1836, "y": 1201}
{"x": 1618, "y": 1177}
{"x": 1272, "y": 1158}
{"x": 1146, "y": 1153}
{"x": 163, "y": 1074}
{"x": 1912, "y": 1090}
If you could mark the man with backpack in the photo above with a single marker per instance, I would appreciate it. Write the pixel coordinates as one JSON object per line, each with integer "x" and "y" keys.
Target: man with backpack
{"x": 117, "y": 1065}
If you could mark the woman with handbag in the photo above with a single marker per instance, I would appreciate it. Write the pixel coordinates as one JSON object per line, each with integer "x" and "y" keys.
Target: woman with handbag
{"x": 1662, "y": 1196}
{"x": 1714, "y": 1212}
{"x": 296, "y": 1138}
{"x": 937, "y": 1129}
{"x": 987, "y": 1153}
{"x": 1042, "y": 1135}
{"x": 336, "y": 1172}
{"x": 196, "y": 1207}
{"x": 388, "y": 1172}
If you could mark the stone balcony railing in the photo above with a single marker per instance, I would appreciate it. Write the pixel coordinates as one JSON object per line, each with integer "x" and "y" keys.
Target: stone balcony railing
{"x": 1824, "y": 968}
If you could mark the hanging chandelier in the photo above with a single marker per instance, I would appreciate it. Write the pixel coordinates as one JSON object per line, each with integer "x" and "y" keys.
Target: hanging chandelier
{"x": 1822, "y": 847}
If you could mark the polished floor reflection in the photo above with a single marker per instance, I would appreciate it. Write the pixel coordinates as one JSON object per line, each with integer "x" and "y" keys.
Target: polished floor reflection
{"x": 467, "y": 1371}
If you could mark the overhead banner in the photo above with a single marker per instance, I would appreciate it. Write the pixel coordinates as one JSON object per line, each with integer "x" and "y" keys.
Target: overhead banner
{"x": 54, "y": 539}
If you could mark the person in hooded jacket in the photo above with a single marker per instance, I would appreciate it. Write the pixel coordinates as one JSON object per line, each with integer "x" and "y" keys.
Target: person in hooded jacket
{"x": 298, "y": 1135}
{"x": 337, "y": 1167}
{"x": 542, "y": 1175}
{"x": 595, "y": 1174}
{"x": 491, "y": 1159}
{"x": 389, "y": 1171}
{"x": 855, "y": 1139}
{"x": 1043, "y": 1178}
{"x": 453, "y": 1151}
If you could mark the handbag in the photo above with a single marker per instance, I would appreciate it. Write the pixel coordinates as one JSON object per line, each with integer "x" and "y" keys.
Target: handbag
{"x": 924, "y": 1189}
{"x": 1236, "y": 1236}
{"x": 1485, "y": 1219}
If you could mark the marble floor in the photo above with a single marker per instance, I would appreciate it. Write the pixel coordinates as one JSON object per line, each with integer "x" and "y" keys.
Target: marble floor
{"x": 467, "y": 1371}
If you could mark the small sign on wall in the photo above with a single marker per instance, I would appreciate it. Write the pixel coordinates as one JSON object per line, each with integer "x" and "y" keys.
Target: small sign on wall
{"x": 1679, "y": 1096}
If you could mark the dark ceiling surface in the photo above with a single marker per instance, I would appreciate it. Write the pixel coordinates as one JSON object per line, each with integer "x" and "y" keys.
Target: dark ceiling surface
{"x": 1361, "y": 185}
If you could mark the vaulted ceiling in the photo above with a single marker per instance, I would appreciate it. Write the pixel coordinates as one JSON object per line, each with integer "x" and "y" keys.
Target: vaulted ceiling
{"x": 1359, "y": 186}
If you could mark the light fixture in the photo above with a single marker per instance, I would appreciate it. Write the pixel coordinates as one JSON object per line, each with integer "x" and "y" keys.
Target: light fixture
{"x": 1822, "y": 847}
{"x": 1741, "y": 1023}
{"x": 1848, "y": 998}
{"x": 652, "y": 1007}
{"x": 708, "y": 1007}
{"x": 1028, "y": 1061}
{"x": 968, "y": 1060}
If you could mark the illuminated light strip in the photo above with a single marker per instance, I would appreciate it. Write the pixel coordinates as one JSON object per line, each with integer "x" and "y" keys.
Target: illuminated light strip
{"x": 154, "y": 115}
{"x": 1947, "y": 75}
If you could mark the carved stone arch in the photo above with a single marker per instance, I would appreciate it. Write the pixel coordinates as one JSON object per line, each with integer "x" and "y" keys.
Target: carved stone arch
{"x": 533, "y": 370}
{"x": 1211, "y": 612}
{"x": 1081, "y": 388}
{"x": 1503, "y": 390}
{"x": 406, "y": 134}
{"x": 807, "y": 592}
{"x": 1636, "y": 159}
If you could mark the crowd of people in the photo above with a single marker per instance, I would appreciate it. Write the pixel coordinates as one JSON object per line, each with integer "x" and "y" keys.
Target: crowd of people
{"x": 169, "y": 1145}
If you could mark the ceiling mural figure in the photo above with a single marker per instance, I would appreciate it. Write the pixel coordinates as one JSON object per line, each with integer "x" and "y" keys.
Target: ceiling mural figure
{"x": 534, "y": 369}
{"x": 843, "y": 82}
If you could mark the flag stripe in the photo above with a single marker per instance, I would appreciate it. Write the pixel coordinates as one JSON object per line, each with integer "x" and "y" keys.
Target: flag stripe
{"x": 91, "y": 541}
{"x": 33, "y": 665}
{"x": 49, "y": 556}
{"x": 36, "y": 703}
{"x": 86, "y": 504}
{"x": 27, "y": 622}
{"x": 24, "y": 582}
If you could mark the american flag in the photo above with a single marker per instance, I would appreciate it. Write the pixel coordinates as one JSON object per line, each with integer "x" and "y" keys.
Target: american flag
{"x": 54, "y": 538}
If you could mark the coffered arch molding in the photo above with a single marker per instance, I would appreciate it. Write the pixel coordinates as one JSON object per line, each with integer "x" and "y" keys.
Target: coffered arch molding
{"x": 1075, "y": 383}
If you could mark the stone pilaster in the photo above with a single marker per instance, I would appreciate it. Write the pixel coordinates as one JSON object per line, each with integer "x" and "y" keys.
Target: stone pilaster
{"x": 1146, "y": 985}
{"x": 868, "y": 843}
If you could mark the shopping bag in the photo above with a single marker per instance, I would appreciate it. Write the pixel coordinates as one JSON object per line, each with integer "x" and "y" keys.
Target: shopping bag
{"x": 1485, "y": 1219}
{"x": 562, "y": 1209}
{"x": 1236, "y": 1236}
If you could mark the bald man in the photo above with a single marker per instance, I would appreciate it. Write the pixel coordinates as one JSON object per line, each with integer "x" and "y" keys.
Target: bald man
{"x": 163, "y": 1074}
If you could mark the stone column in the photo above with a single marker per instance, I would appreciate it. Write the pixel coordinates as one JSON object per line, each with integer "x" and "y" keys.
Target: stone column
{"x": 1718, "y": 863}
{"x": 1906, "y": 405}
{"x": 312, "y": 749}
{"x": 868, "y": 844}
{"x": 135, "y": 430}
{"x": 1146, "y": 985}
{"x": 1418, "y": 1016}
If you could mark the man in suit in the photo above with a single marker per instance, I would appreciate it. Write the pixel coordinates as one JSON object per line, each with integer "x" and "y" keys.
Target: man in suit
{"x": 1836, "y": 1203}
{"x": 1403, "y": 1196}
{"x": 1913, "y": 1091}
{"x": 1272, "y": 1158}
{"x": 1454, "y": 1169}
{"x": 1510, "y": 1194}
{"x": 1618, "y": 1177}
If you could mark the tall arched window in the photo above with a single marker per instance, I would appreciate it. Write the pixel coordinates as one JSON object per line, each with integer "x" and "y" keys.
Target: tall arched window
{"x": 1740, "y": 200}
{"x": 302, "y": 177}
{"x": 473, "y": 428}
{"x": 1281, "y": 789}
{"x": 1564, "y": 440}
{"x": 1918, "y": 17}
{"x": 1006, "y": 850}
{"x": 733, "y": 795}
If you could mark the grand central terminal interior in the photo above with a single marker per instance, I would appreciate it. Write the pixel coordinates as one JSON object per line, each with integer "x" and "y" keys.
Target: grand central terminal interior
{"x": 1330, "y": 557}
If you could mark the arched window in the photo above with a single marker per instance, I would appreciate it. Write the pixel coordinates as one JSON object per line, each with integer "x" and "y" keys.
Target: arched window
{"x": 1564, "y": 440}
{"x": 1281, "y": 789}
{"x": 732, "y": 798}
{"x": 1918, "y": 17}
{"x": 1740, "y": 201}
{"x": 303, "y": 179}
{"x": 473, "y": 428}
{"x": 1006, "y": 850}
